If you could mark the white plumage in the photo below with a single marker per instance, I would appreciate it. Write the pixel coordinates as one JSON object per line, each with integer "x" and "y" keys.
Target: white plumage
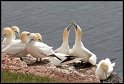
{"x": 64, "y": 48}
{"x": 79, "y": 50}
{"x": 104, "y": 69}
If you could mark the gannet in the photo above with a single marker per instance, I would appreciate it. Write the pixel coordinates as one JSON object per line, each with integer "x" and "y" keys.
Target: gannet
{"x": 15, "y": 30}
{"x": 79, "y": 50}
{"x": 7, "y": 37}
{"x": 64, "y": 48}
{"x": 41, "y": 50}
{"x": 104, "y": 69}
{"x": 17, "y": 49}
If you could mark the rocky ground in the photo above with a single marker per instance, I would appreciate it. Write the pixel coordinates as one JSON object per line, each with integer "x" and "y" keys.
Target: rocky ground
{"x": 69, "y": 72}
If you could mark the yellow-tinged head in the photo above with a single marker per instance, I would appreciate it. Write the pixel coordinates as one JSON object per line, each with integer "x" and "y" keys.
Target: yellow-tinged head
{"x": 34, "y": 37}
{"x": 25, "y": 36}
{"x": 104, "y": 66}
{"x": 39, "y": 36}
{"x": 15, "y": 29}
{"x": 78, "y": 31}
{"x": 7, "y": 32}
{"x": 66, "y": 32}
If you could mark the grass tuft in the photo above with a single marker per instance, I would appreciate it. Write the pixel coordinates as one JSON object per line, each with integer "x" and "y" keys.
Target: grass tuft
{"x": 9, "y": 77}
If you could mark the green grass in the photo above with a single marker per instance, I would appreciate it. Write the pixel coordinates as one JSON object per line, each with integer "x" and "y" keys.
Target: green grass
{"x": 9, "y": 77}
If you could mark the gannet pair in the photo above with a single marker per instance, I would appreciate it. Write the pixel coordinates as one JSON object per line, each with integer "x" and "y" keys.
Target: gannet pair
{"x": 104, "y": 69}
{"x": 78, "y": 49}
{"x": 9, "y": 35}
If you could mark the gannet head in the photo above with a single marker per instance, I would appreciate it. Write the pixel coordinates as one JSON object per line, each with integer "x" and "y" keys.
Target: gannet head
{"x": 7, "y": 32}
{"x": 66, "y": 33}
{"x": 15, "y": 30}
{"x": 25, "y": 36}
{"x": 104, "y": 66}
{"x": 39, "y": 37}
{"x": 78, "y": 30}
{"x": 34, "y": 37}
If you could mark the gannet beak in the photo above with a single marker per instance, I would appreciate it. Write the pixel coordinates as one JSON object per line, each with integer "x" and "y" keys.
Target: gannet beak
{"x": 2, "y": 37}
{"x": 17, "y": 33}
{"x": 74, "y": 24}
{"x": 68, "y": 28}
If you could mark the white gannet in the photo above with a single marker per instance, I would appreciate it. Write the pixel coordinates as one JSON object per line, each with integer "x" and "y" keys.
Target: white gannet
{"x": 7, "y": 37}
{"x": 15, "y": 30}
{"x": 104, "y": 69}
{"x": 78, "y": 48}
{"x": 64, "y": 47}
{"x": 17, "y": 49}
{"x": 41, "y": 50}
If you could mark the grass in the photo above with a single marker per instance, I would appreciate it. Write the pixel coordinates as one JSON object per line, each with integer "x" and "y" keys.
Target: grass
{"x": 9, "y": 77}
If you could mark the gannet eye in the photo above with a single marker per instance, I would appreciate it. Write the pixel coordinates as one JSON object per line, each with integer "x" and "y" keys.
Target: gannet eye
{"x": 28, "y": 34}
{"x": 4, "y": 34}
{"x": 16, "y": 32}
{"x": 39, "y": 40}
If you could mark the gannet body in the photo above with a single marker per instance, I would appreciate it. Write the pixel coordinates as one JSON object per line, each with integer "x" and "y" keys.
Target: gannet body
{"x": 104, "y": 69}
{"x": 38, "y": 49}
{"x": 79, "y": 50}
{"x": 17, "y": 49}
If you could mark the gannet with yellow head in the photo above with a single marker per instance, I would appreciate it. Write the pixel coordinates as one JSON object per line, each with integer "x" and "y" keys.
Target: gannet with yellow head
{"x": 64, "y": 48}
{"x": 104, "y": 69}
{"x": 7, "y": 37}
{"x": 79, "y": 50}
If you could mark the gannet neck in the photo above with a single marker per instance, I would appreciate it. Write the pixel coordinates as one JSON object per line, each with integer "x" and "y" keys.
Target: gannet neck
{"x": 78, "y": 39}
{"x": 78, "y": 36}
{"x": 65, "y": 37}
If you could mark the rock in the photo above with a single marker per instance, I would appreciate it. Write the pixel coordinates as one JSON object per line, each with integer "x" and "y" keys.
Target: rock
{"x": 70, "y": 73}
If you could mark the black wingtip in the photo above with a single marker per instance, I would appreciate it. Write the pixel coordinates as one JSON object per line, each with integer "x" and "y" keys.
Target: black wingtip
{"x": 53, "y": 55}
{"x": 69, "y": 58}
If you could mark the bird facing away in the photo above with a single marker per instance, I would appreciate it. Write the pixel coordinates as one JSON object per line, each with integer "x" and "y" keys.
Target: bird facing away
{"x": 17, "y": 49}
{"x": 104, "y": 69}
{"x": 79, "y": 50}
{"x": 64, "y": 48}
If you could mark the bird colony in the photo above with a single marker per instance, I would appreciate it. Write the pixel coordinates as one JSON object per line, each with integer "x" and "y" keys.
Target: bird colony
{"x": 32, "y": 44}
